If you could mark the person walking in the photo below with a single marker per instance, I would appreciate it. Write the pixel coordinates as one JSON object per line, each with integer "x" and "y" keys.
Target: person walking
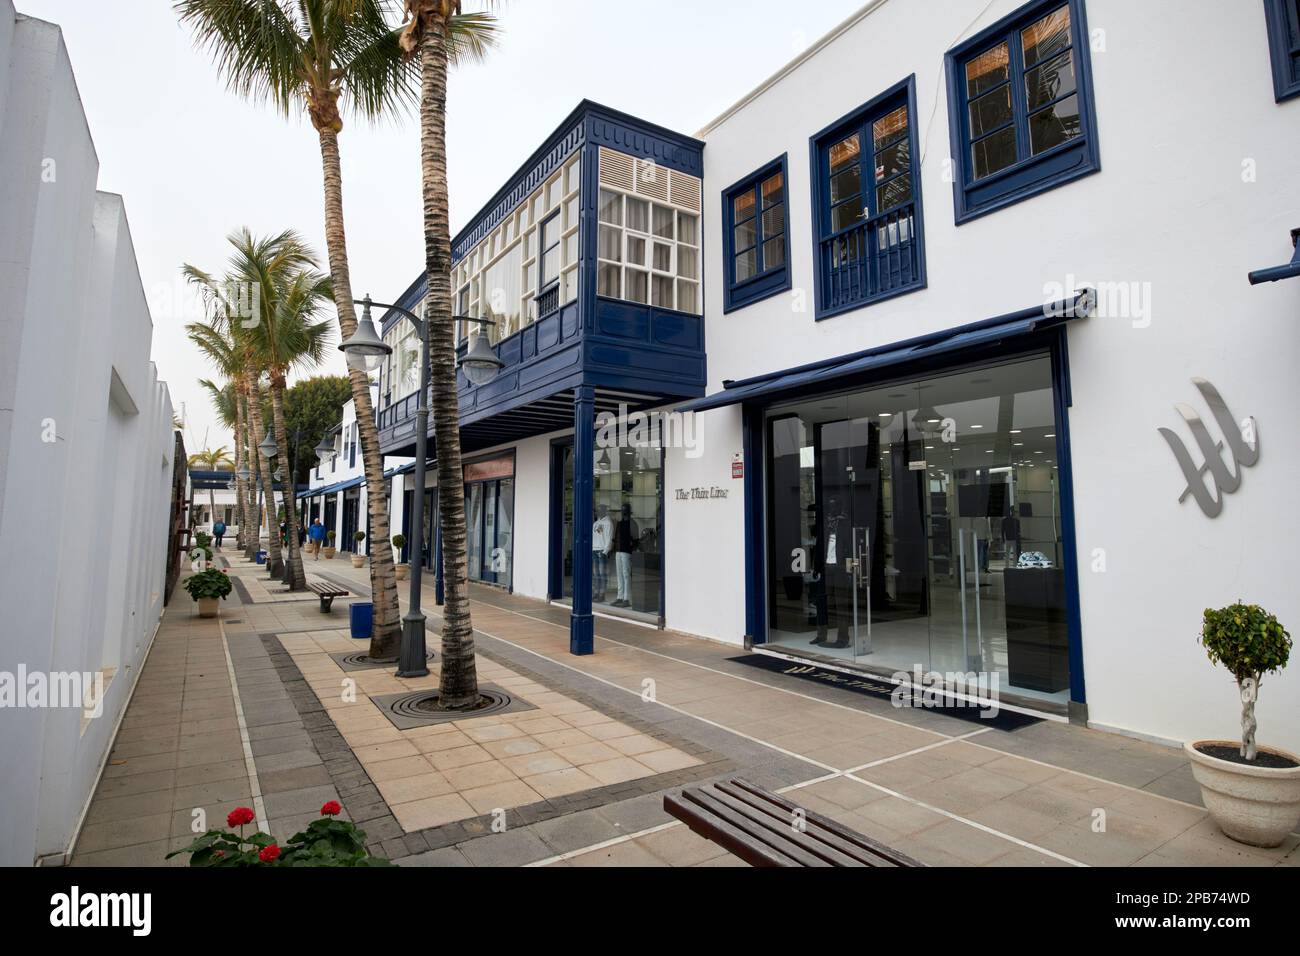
{"x": 625, "y": 541}
{"x": 602, "y": 539}
{"x": 218, "y": 531}
{"x": 317, "y": 535}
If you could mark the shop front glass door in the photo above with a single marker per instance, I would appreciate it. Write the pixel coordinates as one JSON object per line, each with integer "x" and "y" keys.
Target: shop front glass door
{"x": 918, "y": 525}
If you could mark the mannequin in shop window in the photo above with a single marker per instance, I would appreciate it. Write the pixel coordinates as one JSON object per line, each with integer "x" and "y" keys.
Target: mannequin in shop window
{"x": 602, "y": 540}
{"x": 626, "y": 534}
{"x": 836, "y": 581}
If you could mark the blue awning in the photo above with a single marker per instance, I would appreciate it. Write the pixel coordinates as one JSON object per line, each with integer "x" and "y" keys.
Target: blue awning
{"x": 818, "y": 375}
{"x": 331, "y": 489}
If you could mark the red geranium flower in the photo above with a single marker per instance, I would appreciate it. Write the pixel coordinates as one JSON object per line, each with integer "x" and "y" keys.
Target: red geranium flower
{"x": 269, "y": 853}
{"x": 331, "y": 809}
{"x": 239, "y": 816}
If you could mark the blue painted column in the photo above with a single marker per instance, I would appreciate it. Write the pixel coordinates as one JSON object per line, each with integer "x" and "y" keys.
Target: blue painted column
{"x": 581, "y": 637}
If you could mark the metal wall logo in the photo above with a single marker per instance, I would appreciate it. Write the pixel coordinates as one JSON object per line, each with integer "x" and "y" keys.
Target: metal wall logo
{"x": 1224, "y": 478}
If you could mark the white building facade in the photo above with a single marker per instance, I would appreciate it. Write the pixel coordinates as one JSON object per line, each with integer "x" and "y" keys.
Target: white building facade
{"x": 87, "y": 453}
{"x": 958, "y": 312}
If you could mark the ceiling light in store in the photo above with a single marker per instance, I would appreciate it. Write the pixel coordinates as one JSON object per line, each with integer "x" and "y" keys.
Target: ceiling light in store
{"x": 1015, "y": 431}
{"x": 1050, "y": 435}
{"x": 977, "y": 426}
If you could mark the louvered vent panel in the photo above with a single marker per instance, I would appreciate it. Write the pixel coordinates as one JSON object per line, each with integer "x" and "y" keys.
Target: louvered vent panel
{"x": 685, "y": 191}
{"x": 617, "y": 169}
{"x": 651, "y": 180}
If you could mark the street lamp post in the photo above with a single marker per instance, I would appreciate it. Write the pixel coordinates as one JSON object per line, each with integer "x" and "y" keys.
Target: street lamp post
{"x": 365, "y": 350}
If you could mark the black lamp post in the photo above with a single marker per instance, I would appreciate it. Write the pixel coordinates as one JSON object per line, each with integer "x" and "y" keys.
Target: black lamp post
{"x": 365, "y": 350}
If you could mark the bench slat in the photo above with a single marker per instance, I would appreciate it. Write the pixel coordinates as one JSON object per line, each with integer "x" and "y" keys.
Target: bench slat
{"x": 815, "y": 832}
{"x": 786, "y": 844}
{"x": 869, "y": 845}
{"x": 781, "y": 825}
{"x": 729, "y": 837}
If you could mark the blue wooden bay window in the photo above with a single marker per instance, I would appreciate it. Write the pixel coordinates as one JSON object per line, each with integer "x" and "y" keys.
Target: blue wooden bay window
{"x": 756, "y": 237}
{"x": 1021, "y": 108}
{"x": 1283, "y": 19}
{"x": 867, "y": 204}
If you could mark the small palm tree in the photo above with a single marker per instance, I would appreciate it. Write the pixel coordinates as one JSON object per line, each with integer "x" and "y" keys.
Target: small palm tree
{"x": 226, "y": 340}
{"x": 211, "y": 459}
{"x": 225, "y": 401}
{"x": 431, "y": 36}
{"x": 285, "y": 336}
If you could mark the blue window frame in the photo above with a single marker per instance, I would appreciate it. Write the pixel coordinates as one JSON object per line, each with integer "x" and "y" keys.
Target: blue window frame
{"x": 1020, "y": 107}
{"x": 868, "y": 232}
{"x": 548, "y": 273}
{"x": 1283, "y": 19}
{"x": 756, "y": 236}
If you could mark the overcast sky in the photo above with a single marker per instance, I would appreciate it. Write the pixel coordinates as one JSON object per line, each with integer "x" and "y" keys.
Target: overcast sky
{"x": 195, "y": 162}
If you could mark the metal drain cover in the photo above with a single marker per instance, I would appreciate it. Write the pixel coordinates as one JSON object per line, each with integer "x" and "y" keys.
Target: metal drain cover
{"x": 361, "y": 661}
{"x": 419, "y": 709}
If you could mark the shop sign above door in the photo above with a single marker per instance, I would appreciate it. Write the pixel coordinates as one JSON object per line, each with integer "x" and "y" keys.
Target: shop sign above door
{"x": 1214, "y": 477}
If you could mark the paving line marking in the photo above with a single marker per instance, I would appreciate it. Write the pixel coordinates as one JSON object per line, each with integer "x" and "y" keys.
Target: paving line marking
{"x": 604, "y": 844}
{"x": 1004, "y": 753}
{"x": 817, "y": 763}
{"x": 712, "y": 670}
{"x": 259, "y": 806}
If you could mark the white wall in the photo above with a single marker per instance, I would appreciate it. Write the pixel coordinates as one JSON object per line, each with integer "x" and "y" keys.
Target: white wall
{"x": 1168, "y": 208}
{"x": 85, "y": 439}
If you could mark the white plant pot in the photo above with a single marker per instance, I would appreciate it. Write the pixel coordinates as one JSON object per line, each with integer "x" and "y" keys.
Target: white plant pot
{"x": 1255, "y": 805}
{"x": 208, "y": 607}
{"x": 401, "y": 570}
{"x": 358, "y": 560}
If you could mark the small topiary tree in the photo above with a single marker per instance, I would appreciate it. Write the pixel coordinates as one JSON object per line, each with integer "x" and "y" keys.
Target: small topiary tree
{"x": 399, "y": 541}
{"x": 1249, "y": 642}
{"x": 358, "y": 536}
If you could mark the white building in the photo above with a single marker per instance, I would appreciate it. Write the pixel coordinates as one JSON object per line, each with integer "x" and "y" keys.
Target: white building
{"x": 86, "y": 452}
{"x": 867, "y": 277}
{"x": 336, "y": 492}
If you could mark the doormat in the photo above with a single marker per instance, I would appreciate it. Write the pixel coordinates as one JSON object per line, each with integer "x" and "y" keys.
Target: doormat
{"x": 981, "y": 713}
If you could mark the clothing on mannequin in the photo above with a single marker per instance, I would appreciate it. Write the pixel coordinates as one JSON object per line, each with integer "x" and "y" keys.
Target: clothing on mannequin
{"x": 626, "y": 534}
{"x": 602, "y": 540}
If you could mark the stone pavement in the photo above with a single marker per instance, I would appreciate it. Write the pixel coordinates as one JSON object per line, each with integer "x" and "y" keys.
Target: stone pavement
{"x": 577, "y": 778}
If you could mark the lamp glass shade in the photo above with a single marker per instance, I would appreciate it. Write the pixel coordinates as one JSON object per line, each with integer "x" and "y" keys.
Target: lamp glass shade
{"x": 480, "y": 362}
{"x": 324, "y": 451}
{"x": 243, "y": 474}
{"x": 267, "y": 446}
{"x": 364, "y": 348}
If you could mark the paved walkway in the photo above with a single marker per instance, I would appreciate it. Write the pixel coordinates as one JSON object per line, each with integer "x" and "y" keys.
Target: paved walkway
{"x": 259, "y": 708}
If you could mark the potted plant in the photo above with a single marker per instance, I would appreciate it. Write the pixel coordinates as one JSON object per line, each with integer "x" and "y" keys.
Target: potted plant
{"x": 1252, "y": 792}
{"x": 207, "y": 588}
{"x": 325, "y": 842}
{"x": 329, "y": 548}
{"x": 399, "y": 542}
{"x": 358, "y": 559}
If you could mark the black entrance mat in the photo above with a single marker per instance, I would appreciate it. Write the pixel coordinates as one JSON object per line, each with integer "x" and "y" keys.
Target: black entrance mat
{"x": 882, "y": 689}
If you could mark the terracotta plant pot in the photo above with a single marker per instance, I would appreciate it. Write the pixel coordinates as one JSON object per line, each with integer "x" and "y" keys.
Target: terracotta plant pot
{"x": 1255, "y": 805}
{"x": 402, "y": 570}
{"x": 208, "y": 607}
{"x": 358, "y": 560}
{"x": 328, "y": 552}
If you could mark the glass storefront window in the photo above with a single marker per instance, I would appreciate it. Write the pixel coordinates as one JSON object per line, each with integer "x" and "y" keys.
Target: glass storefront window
{"x": 489, "y": 520}
{"x": 919, "y": 524}
{"x": 626, "y": 528}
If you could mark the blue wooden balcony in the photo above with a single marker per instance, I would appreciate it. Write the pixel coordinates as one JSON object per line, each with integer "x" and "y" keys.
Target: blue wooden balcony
{"x": 634, "y": 336}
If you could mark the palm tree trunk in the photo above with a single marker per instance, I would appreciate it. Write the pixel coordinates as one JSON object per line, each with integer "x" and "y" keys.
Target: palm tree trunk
{"x": 386, "y": 637}
{"x": 274, "y": 560}
{"x": 252, "y": 540}
{"x": 212, "y": 504}
{"x": 241, "y": 516}
{"x": 458, "y": 681}
{"x": 297, "y": 577}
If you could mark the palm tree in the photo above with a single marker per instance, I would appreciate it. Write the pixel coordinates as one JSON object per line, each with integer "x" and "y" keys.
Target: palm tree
{"x": 225, "y": 401}
{"x": 285, "y": 336}
{"x": 211, "y": 459}
{"x": 312, "y": 54}
{"x": 432, "y": 26}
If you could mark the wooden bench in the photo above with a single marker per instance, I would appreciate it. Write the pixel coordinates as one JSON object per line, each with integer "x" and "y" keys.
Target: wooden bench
{"x": 327, "y": 593}
{"x": 765, "y": 829}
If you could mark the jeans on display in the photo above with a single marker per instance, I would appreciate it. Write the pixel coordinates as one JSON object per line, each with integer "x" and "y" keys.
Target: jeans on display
{"x": 599, "y": 580}
{"x": 623, "y": 563}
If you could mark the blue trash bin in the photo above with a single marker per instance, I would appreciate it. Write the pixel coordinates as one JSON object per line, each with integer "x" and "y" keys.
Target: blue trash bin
{"x": 261, "y": 557}
{"x": 361, "y": 616}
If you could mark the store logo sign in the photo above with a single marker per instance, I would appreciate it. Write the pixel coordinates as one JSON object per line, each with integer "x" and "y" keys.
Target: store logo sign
{"x": 1209, "y": 481}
